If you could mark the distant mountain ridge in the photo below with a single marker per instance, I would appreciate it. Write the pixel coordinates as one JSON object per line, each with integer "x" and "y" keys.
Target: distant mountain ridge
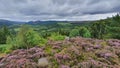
{"x": 8, "y": 23}
{"x": 53, "y": 22}
{"x": 44, "y": 22}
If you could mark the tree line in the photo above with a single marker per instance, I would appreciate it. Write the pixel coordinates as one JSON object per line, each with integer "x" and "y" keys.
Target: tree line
{"x": 28, "y": 37}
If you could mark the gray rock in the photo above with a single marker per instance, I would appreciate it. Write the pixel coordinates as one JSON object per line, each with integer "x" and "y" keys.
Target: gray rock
{"x": 43, "y": 62}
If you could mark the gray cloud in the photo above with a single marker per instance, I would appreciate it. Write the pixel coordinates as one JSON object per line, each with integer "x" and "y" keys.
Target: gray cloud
{"x": 58, "y": 9}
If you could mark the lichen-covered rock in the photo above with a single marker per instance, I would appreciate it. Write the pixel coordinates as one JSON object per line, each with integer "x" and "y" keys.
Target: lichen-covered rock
{"x": 43, "y": 62}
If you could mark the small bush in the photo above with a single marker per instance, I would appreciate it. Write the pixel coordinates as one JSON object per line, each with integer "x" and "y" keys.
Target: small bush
{"x": 27, "y": 38}
{"x": 5, "y": 48}
{"x": 56, "y": 37}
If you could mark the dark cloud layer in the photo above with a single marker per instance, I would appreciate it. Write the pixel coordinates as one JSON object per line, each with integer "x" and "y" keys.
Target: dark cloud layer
{"x": 58, "y": 9}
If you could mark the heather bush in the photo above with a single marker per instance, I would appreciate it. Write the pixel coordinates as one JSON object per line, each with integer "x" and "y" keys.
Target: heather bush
{"x": 24, "y": 58}
{"x": 76, "y": 53}
{"x": 93, "y": 64}
{"x": 64, "y": 66}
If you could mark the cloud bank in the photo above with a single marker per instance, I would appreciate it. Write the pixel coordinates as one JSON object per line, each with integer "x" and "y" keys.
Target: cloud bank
{"x": 73, "y": 10}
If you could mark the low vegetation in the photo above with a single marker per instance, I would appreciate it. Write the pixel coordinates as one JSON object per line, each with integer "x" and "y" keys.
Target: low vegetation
{"x": 73, "y": 53}
{"x": 62, "y": 45}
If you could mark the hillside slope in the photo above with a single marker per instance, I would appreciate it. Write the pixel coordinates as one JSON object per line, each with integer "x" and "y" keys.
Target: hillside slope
{"x": 8, "y": 22}
{"x": 71, "y": 53}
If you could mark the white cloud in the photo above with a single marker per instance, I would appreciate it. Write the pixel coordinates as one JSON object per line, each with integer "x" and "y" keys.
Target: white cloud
{"x": 26, "y": 10}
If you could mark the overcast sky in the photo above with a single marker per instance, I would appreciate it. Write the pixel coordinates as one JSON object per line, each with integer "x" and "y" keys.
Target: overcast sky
{"x": 79, "y": 10}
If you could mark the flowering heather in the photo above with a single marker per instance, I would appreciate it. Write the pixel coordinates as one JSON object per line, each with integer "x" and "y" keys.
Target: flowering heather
{"x": 64, "y": 66}
{"x": 73, "y": 53}
{"x": 114, "y": 42}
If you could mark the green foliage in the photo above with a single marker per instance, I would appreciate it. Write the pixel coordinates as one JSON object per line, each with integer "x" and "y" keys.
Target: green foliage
{"x": 2, "y": 48}
{"x": 74, "y": 33}
{"x": 45, "y": 34}
{"x": 98, "y": 29}
{"x": 42, "y": 41}
{"x": 84, "y": 32}
{"x": 9, "y": 40}
{"x": 64, "y": 31}
{"x": 108, "y": 28}
{"x": 5, "y": 48}
{"x": 31, "y": 38}
{"x": 27, "y": 37}
{"x": 4, "y": 32}
{"x": 64, "y": 24}
{"x": 56, "y": 37}
{"x": 114, "y": 27}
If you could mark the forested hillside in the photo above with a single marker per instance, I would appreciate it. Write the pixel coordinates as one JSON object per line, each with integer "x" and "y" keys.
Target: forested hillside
{"x": 94, "y": 44}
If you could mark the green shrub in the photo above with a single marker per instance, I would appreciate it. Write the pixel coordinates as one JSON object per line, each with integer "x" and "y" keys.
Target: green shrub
{"x": 56, "y": 37}
{"x": 74, "y": 33}
{"x": 2, "y": 48}
{"x": 4, "y": 32}
{"x": 84, "y": 32}
{"x": 27, "y": 38}
{"x": 5, "y": 48}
